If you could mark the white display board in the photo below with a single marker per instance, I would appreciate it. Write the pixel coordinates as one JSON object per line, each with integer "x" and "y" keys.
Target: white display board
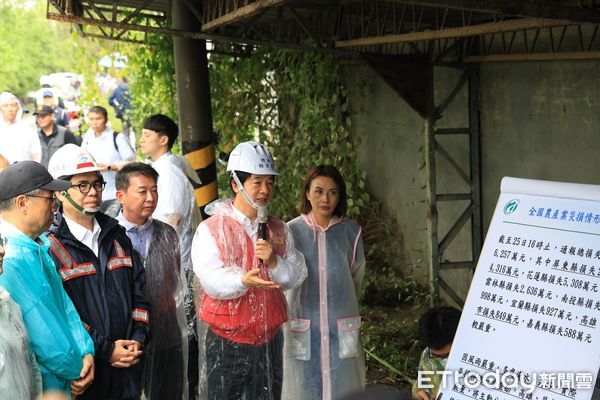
{"x": 529, "y": 329}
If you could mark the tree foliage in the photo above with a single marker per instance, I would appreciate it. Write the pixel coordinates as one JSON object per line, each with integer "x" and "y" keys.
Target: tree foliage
{"x": 151, "y": 71}
{"x": 297, "y": 104}
{"x": 31, "y": 46}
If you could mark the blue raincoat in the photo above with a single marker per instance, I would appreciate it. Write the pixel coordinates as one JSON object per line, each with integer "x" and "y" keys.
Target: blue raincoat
{"x": 58, "y": 338}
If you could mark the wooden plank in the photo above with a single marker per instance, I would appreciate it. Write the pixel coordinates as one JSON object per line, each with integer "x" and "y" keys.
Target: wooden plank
{"x": 242, "y": 13}
{"x": 510, "y": 25}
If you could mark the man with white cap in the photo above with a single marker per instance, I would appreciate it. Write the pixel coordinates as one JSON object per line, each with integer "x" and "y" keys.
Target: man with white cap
{"x": 101, "y": 274}
{"x": 243, "y": 277}
{"x": 18, "y": 141}
{"x": 63, "y": 349}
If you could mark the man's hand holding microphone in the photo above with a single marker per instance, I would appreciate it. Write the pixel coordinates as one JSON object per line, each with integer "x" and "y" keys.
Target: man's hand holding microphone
{"x": 263, "y": 251}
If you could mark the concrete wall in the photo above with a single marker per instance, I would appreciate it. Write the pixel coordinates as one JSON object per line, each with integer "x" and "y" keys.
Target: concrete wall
{"x": 538, "y": 120}
{"x": 391, "y": 153}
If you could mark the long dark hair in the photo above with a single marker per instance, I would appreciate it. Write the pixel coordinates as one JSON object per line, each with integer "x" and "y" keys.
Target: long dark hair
{"x": 328, "y": 171}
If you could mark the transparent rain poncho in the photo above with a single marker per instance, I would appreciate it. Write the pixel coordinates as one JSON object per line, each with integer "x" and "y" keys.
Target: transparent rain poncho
{"x": 324, "y": 356}
{"x": 243, "y": 347}
{"x": 56, "y": 333}
{"x": 18, "y": 139}
{"x": 164, "y": 368}
{"x": 177, "y": 207}
{"x": 20, "y": 377}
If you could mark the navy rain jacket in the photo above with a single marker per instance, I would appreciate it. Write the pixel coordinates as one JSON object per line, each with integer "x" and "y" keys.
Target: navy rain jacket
{"x": 108, "y": 293}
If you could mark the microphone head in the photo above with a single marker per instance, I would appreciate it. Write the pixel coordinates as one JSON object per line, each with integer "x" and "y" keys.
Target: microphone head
{"x": 262, "y": 214}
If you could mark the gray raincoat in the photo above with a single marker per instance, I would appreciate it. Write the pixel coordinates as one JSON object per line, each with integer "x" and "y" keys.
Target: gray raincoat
{"x": 324, "y": 357}
{"x": 20, "y": 377}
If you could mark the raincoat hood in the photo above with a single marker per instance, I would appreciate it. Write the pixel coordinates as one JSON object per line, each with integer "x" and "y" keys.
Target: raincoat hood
{"x": 310, "y": 221}
{"x": 6, "y": 98}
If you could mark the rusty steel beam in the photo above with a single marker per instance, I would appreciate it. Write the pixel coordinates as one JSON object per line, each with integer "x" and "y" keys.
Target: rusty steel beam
{"x": 558, "y": 56}
{"x": 119, "y": 39}
{"x": 511, "y": 25}
{"x": 199, "y": 35}
{"x": 527, "y": 9}
{"x": 242, "y": 13}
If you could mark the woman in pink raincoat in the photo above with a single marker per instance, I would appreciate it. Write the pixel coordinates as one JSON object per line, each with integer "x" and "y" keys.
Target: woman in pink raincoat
{"x": 324, "y": 357}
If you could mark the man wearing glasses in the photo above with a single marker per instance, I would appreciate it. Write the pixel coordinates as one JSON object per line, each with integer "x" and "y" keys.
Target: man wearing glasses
{"x": 63, "y": 349}
{"x": 100, "y": 273}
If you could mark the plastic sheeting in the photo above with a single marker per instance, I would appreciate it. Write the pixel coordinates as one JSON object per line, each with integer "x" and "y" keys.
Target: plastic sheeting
{"x": 20, "y": 377}
{"x": 164, "y": 373}
{"x": 243, "y": 346}
{"x": 177, "y": 207}
{"x": 19, "y": 139}
{"x": 57, "y": 336}
{"x": 324, "y": 356}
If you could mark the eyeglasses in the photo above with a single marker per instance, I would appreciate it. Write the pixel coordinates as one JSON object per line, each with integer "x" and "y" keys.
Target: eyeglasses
{"x": 51, "y": 198}
{"x": 442, "y": 356}
{"x": 85, "y": 187}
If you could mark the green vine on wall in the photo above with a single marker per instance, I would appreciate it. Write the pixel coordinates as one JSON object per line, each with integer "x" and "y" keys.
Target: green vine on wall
{"x": 297, "y": 104}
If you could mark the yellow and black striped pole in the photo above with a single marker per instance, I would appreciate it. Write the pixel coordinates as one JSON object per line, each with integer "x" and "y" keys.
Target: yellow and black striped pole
{"x": 193, "y": 97}
{"x": 204, "y": 162}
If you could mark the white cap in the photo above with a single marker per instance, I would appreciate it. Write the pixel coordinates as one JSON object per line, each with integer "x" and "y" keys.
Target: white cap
{"x": 253, "y": 158}
{"x": 71, "y": 160}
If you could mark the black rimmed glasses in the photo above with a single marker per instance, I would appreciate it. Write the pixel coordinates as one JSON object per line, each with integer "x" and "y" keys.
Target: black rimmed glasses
{"x": 438, "y": 355}
{"x": 85, "y": 186}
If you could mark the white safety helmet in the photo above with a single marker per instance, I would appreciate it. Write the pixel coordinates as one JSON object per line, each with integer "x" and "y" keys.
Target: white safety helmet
{"x": 71, "y": 160}
{"x": 253, "y": 158}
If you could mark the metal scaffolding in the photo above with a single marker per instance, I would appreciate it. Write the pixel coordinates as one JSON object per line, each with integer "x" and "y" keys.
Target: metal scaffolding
{"x": 445, "y": 30}
{"x": 471, "y": 211}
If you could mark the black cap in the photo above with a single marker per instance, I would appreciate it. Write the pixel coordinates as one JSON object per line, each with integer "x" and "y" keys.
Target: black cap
{"x": 42, "y": 109}
{"x": 25, "y": 176}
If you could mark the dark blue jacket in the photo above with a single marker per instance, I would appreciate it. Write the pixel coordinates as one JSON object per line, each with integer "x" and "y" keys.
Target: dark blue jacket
{"x": 119, "y": 100}
{"x": 61, "y": 116}
{"x": 108, "y": 293}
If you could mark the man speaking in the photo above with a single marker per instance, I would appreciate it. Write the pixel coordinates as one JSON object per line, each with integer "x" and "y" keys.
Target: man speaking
{"x": 243, "y": 278}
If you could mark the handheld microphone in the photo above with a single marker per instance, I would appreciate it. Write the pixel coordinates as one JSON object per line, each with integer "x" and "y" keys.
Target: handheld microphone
{"x": 261, "y": 217}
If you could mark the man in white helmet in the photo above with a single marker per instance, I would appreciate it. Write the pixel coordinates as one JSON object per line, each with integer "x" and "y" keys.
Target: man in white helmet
{"x": 101, "y": 274}
{"x": 243, "y": 278}
{"x": 18, "y": 141}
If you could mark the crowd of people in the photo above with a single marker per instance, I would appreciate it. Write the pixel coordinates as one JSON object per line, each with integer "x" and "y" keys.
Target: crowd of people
{"x": 114, "y": 288}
